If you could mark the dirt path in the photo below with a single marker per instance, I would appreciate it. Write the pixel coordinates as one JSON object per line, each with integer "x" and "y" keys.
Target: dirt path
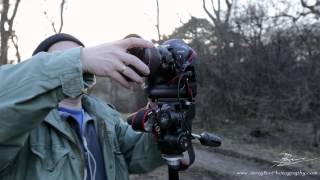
{"x": 211, "y": 164}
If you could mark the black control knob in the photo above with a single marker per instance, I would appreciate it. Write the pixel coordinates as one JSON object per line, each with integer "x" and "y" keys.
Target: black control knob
{"x": 209, "y": 139}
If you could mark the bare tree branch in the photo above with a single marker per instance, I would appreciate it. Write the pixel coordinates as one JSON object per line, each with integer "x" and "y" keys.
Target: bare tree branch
{"x": 14, "y": 39}
{"x": 217, "y": 16}
{"x": 299, "y": 14}
{"x": 215, "y": 10}
{"x": 10, "y": 22}
{"x": 61, "y": 14}
{"x": 214, "y": 20}
{"x": 213, "y": 7}
{"x": 53, "y": 25}
{"x": 312, "y": 8}
{"x": 158, "y": 21}
{"x": 51, "y": 22}
{"x": 292, "y": 17}
{"x": 229, "y": 9}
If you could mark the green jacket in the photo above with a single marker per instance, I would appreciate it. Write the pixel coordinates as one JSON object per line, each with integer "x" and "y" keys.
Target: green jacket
{"x": 36, "y": 144}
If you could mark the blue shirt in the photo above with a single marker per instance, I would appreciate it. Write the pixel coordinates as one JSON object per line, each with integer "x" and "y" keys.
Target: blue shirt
{"x": 85, "y": 129}
{"x": 76, "y": 114}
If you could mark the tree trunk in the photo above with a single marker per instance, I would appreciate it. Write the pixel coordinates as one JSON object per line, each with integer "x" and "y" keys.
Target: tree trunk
{"x": 4, "y": 33}
{"x": 6, "y": 28}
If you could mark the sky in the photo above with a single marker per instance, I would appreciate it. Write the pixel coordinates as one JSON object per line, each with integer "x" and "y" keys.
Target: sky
{"x": 100, "y": 21}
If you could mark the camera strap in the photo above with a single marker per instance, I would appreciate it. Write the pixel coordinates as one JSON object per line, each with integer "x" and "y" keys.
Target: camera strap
{"x": 191, "y": 156}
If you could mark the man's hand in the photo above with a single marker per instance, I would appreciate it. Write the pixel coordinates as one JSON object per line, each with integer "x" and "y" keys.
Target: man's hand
{"x": 112, "y": 60}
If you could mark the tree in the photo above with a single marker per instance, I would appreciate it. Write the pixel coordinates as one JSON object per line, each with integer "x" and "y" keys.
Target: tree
{"x": 197, "y": 33}
{"x": 53, "y": 24}
{"x": 313, "y": 8}
{"x": 6, "y": 29}
{"x": 158, "y": 21}
{"x": 219, "y": 17}
{"x": 221, "y": 20}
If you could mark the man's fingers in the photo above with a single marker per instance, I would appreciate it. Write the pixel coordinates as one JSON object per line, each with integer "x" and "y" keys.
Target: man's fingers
{"x": 132, "y": 75}
{"x": 130, "y": 59}
{"x": 118, "y": 77}
{"x": 132, "y": 42}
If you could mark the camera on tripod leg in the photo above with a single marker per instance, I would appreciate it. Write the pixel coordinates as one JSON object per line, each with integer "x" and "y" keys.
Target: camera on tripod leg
{"x": 171, "y": 88}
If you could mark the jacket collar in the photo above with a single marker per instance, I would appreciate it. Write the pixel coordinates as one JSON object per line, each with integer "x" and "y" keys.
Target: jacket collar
{"x": 54, "y": 119}
{"x": 90, "y": 105}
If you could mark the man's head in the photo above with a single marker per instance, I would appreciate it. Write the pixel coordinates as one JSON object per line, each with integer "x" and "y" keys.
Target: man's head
{"x": 62, "y": 45}
{"x": 58, "y": 42}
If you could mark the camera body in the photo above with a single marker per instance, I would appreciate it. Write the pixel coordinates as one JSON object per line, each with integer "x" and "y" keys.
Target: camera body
{"x": 166, "y": 62}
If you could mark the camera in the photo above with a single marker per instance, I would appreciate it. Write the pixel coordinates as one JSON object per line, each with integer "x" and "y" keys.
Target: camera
{"x": 171, "y": 88}
{"x": 166, "y": 63}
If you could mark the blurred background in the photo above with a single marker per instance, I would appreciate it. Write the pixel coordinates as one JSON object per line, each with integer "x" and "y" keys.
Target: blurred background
{"x": 258, "y": 71}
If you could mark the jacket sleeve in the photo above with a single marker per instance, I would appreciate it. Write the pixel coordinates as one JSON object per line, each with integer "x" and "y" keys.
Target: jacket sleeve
{"x": 139, "y": 149}
{"x": 29, "y": 90}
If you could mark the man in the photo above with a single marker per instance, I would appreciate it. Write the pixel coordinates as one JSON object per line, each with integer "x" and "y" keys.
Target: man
{"x": 49, "y": 127}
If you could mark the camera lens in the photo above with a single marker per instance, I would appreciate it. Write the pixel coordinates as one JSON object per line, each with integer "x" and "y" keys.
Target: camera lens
{"x": 150, "y": 56}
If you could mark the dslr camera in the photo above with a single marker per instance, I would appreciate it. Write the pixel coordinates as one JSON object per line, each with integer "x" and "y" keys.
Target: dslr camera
{"x": 172, "y": 89}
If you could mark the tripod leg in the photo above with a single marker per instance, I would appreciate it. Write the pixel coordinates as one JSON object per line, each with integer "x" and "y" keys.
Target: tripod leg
{"x": 173, "y": 173}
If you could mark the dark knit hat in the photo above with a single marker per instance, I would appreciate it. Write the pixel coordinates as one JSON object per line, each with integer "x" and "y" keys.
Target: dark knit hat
{"x": 47, "y": 43}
